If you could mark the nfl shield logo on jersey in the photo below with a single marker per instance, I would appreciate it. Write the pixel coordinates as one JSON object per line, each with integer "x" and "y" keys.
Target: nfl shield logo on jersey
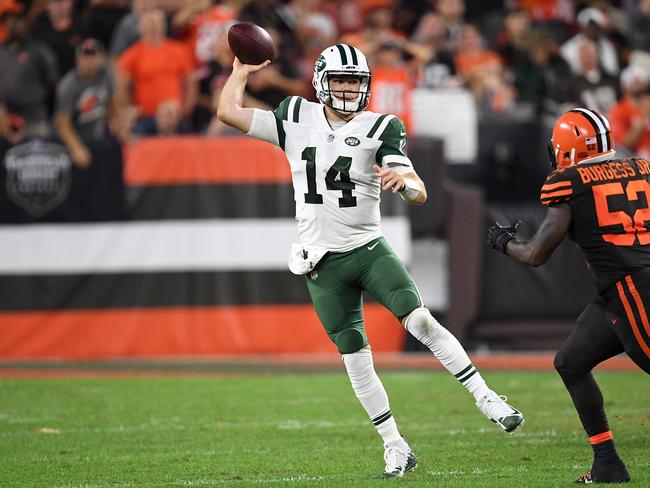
{"x": 313, "y": 275}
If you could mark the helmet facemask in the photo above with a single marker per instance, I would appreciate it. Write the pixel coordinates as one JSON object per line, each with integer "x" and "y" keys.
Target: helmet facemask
{"x": 552, "y": 156}
{"x": 340, "y": 103}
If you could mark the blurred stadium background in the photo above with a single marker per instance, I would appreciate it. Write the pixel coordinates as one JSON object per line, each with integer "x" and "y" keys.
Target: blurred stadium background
{"x": 141, "y": 237}
{"x": 134, "y": 226}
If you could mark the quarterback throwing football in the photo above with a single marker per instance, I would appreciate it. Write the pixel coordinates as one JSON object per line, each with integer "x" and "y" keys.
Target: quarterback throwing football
{"x": 341, "y": 157}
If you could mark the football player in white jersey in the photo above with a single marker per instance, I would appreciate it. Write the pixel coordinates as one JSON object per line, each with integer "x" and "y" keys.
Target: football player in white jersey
{"x": 341, "y": 157}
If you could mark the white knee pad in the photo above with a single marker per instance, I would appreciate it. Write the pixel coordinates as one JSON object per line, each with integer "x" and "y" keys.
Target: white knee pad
{"x": 422, "y": 324}
{"x": 442, "y": 343}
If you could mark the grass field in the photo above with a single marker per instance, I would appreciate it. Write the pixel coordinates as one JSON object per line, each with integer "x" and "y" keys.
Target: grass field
{"x": 301, "y": 430}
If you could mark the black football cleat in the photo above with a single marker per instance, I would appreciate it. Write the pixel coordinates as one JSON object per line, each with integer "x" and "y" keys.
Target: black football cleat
{"x": 605, "y": 473}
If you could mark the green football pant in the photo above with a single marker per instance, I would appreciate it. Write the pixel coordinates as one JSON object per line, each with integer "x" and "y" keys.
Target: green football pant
{"x": 335, "y": 287}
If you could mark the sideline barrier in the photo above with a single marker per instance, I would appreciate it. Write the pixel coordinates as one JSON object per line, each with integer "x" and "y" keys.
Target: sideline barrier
{"x": 198, "y": 268}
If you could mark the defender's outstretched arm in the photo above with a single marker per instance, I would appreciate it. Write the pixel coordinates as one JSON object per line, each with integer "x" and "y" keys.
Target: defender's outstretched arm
{"x": 536, "y": 250}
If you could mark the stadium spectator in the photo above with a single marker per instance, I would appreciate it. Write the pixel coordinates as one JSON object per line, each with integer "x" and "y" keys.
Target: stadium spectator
{"x": 168, "y": 119}
{"x": 638, "y": 12}
{"x": 630, "y": 117}
{"x": 378, "y": 26}
{"x": 7, "y": 6}
{"x": 540, "y": 73}
{"x": 436, "y": 66}
{"x": 593, "y": 26}
{"x": 127, "y": 32}
{"x": 200, "y": 23}
{"x": 212, "y": 77}
{"x": 483, "y": 73}
{"x": 471, "y": 56}
{"x": 392, "y": 82}
{"x": 155, "y": 69}
{"x": 29, "y": 75}
{"x": 511, "y": 40}
{"x": 407, "y": 14}
{"x": 452, "y": 14}
{"x": 283, "y": 77}
{"x": 554, "y": 16}
{"x": 488, "y": 16}
{"x": 62, "y": 29}
{"x": 591, "y": 87}
{"x": 319, "y": 29}
{"x": 83, "y": 102}
{"x": 104, "y": 16}
{"x": 273, "y": 14}
{"x": 348, "y": 16}
{"x": 545, "y": 10}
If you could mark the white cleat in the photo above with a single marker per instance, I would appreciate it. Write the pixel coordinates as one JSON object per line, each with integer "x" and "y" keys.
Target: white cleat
{"x": 500, "y": 412}
{"x": 400, "y": 459}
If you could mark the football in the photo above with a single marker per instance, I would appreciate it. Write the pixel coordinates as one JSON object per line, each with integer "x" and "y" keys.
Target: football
{"x": 250, "y": 43}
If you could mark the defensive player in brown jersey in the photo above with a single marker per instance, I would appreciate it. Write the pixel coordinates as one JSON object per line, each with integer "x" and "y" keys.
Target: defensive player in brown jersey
{"x": 603, "y": 204}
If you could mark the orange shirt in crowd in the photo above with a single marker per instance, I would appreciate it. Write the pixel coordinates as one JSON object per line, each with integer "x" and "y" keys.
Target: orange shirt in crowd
{"x": 542, "y": 10}
{"x": 204, "y": 30}
{"x": 157, "y": 72}
{"x": 621, "y": 117}
{"x": 466, "y": 64}
{"x": 390, "y": 92}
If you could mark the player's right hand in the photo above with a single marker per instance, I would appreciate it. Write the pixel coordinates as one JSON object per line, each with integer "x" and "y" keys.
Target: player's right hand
{"x": 500, "y": 235}
{"x": 246, "y": 69}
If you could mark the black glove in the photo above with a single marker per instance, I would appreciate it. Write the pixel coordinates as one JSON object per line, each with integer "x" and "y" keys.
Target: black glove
{"x": 499, "y": 235}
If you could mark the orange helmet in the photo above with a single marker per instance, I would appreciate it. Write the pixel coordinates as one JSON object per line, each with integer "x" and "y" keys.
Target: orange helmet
{"x": 580, "y": 135}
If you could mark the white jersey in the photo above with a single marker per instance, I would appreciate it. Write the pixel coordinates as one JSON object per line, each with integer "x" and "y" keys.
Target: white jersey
{"x": 336, "y": 191}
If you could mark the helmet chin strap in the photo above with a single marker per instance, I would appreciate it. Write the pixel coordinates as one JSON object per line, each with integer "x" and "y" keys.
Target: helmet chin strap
{"x": 340, "y": 105}
{"x": 339, "y": 114}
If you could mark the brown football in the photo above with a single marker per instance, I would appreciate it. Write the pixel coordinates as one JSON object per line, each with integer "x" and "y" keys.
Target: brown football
{"x": 250, "y": 43}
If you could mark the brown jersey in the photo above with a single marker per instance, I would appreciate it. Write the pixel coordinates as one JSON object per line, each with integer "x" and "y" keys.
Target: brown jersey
{"x": 610, "y": 214}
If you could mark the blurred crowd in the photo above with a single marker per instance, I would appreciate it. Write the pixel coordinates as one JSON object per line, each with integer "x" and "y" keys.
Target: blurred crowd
{"x": 82, "y": 70}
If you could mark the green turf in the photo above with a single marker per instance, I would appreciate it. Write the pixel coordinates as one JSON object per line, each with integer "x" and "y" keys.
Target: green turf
{"x": 301, "y": 430}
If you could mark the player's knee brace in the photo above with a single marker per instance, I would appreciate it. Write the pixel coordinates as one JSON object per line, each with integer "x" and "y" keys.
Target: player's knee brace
{"x": 422, "y": 325}
{"x": 362, "y": 373}
{"x": 349, "y": 341}
{"x": 404, "y": 300}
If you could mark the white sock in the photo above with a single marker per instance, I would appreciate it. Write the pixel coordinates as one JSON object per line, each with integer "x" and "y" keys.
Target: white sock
{"x": 371, "y": 393}
{"x": 446, "y": 348}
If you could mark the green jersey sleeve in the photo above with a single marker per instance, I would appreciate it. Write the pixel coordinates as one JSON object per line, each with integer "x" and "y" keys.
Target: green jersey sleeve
{"x": 393, "y": 144}
{"x": 287, "y": 111}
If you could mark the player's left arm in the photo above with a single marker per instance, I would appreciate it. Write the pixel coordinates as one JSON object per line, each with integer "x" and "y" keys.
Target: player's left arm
{"x": 536, "y": 250}
{"x": 409, "y": 185}
{"x": 394, "y": 168}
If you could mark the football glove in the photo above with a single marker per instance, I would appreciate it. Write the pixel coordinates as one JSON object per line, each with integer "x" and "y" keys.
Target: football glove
{"x": 500, "y": 235}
